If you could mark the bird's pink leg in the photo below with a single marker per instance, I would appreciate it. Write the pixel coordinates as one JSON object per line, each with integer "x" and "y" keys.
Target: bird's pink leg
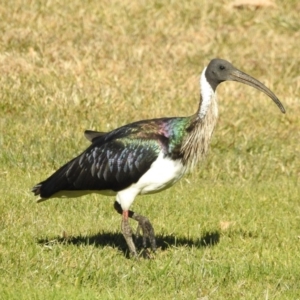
{"x": 127, "y": 233}
{"x": 143, "y": 223}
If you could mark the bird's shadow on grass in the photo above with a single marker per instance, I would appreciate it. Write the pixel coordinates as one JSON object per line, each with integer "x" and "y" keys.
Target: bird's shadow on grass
{"x": 116, "y": 240}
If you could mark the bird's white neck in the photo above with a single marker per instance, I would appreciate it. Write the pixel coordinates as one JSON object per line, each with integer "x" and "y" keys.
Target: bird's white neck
{"x": 207, "y": 95}
{"x": 196, "y": 143}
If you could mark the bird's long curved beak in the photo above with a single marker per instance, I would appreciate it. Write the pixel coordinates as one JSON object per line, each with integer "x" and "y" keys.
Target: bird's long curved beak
{"x": 237, "y": 75}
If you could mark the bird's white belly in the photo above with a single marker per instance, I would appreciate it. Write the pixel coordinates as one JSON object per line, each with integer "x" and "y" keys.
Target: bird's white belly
{"x": 163, "y": 173}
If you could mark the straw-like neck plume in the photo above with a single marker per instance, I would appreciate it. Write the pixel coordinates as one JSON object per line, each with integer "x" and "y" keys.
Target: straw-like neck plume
{"x": 196, "y": 143}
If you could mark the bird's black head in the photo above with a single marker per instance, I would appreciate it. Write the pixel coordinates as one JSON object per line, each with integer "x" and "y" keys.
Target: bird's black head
{"x": 219, "y": 70}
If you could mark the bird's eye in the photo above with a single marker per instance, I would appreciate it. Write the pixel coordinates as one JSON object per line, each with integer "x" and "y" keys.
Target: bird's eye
{"x": 221, "y": 67}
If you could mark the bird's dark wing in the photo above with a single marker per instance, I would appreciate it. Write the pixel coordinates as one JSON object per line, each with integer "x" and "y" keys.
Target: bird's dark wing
{"x": 118, "y": 158}
{"x": 113, "y": 165}
{"x": 93, "y": 136}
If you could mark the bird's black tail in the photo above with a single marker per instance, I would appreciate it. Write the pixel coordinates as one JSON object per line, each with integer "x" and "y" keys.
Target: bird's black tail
{"x": 56, "y": 182}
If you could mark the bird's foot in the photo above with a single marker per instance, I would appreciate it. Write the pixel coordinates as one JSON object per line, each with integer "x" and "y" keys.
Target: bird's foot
{"x": 127, "y": 233}
{"x": 147, "y": 231}
{"x": 144, "y": 224}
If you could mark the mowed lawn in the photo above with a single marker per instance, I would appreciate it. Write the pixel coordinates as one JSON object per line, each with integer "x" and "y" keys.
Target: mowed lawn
{"x": 228, "y": 230}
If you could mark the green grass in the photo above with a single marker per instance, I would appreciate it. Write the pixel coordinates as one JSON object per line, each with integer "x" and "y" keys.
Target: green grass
{"x": 229, "y": 230}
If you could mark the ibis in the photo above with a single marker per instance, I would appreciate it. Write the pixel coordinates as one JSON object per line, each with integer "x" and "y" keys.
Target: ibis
{"x": 146, "y": 156}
